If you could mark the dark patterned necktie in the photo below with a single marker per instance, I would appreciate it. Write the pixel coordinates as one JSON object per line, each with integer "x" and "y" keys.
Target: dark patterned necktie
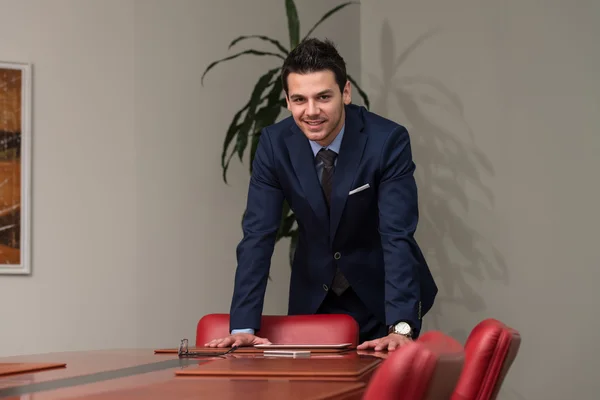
{"x": 340, "y": 284}
{"x": 328, "y": 159}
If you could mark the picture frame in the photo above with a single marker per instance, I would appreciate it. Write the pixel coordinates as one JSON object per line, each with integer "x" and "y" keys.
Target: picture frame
{"x": 15, "y": 167}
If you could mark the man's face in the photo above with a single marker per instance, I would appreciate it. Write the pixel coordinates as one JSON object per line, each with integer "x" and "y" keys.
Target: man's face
{"x": 317, "y": 104}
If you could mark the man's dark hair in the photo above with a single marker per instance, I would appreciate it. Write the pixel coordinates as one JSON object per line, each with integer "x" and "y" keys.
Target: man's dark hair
{"x": 313, "y": 55}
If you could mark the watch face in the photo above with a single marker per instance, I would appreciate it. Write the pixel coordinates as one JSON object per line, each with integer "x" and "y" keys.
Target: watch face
{"x": 403, "y": 328}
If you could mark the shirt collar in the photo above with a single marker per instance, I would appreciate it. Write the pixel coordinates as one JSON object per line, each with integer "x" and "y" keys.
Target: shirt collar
{"x": 335, "y": 145}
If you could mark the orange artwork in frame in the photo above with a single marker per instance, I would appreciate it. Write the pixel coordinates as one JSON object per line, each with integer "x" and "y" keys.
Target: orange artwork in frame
{"x": 15, "y": 157}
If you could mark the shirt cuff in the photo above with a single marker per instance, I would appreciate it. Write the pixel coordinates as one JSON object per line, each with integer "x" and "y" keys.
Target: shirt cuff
{"x": 249, "y": 330}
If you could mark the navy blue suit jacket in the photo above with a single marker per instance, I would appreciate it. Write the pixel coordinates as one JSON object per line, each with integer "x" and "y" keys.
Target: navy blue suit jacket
{"x": 372, "y": 229}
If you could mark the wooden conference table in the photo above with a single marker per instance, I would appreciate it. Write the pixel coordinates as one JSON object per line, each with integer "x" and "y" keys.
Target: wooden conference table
{"x": 160, "y": 374}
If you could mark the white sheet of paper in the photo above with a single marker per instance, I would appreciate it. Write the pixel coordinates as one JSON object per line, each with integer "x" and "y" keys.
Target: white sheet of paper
{"x": 302, "y": 346}
{"x": 287, "y": 353}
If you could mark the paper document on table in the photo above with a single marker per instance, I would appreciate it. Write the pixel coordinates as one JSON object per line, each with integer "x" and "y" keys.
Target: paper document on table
{"x": 303, "y": 346}
{"x": 287, "y": 353}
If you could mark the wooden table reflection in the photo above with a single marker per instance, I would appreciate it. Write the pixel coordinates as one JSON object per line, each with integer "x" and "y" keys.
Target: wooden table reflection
{"x": 137, "y": 374}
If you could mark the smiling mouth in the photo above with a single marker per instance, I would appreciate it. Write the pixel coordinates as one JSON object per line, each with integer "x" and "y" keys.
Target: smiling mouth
{"x": 314, "y": 123}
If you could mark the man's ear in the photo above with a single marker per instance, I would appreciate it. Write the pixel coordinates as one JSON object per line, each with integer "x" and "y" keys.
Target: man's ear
{"x": 287, "y": 101}
{"x": 347, "y": 94}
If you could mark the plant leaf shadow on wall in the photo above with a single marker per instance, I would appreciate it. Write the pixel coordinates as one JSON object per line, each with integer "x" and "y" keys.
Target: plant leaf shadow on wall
{"x": 447, "y": 166}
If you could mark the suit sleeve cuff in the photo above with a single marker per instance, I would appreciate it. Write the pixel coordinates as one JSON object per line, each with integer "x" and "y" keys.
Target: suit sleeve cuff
{"x": 249, "y": 330}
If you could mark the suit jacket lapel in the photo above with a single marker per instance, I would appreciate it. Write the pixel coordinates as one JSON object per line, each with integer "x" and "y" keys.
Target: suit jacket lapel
{"x": 350, "y": 155}
{"x": 303, "y": 161}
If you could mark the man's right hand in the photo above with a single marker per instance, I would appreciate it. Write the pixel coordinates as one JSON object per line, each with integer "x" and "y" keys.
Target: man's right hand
{"x": 238, "y": 340}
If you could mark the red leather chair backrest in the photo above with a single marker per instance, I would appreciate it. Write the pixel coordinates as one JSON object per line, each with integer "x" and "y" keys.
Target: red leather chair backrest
{"x": 490, "y": 351}
{"x": 287, "y": 329}
{"x": 426, "y": 369}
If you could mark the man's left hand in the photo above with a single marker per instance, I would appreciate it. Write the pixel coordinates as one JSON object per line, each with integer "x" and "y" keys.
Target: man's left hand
{"x": 390, "y": 342}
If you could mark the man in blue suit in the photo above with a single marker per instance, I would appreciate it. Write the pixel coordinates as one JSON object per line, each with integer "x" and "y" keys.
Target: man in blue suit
{"x": 348, "y": 176}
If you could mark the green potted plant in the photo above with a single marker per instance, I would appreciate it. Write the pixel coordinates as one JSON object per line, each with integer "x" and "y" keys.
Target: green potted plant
{"x": 266, "y": 102}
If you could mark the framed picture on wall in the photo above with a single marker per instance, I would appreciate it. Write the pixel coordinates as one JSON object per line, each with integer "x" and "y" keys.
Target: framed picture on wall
{"x": 15, "y": 164}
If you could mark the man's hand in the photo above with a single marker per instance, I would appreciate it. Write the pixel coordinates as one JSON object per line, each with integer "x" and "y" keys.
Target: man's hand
{"x": 390, "y": 342}
{"x": 238, "y": 340}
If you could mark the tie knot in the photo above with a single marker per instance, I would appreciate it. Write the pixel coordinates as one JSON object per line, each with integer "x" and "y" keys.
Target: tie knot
{"x": 327, "y": 156}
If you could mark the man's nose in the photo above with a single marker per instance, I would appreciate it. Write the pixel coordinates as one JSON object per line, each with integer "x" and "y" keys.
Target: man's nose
{"x": 312, "y": 108}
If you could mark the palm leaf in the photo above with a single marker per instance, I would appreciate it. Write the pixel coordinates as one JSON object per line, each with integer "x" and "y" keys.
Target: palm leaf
{"x": 263, "y": 83}
{"x": 273, "y": 96}
{"x": 285, "y": 209}
{"x": 265, "y": 38}
{"x": 242, "y": 130}
{"x": 287, "y": 222}
{"x": 231, "y": 131}
{"x": 253, "y": 147}
{"x": 329, "y": 14}
{"x": 266, "y": 116}
{"x": 286, "y": 225}
{"x": 250, "y": 51}
{"x": 226, "y": 164}
{"x": 360, "y": 91}
{"x": 293, "y": 23}
{"x": 293, "y": 244}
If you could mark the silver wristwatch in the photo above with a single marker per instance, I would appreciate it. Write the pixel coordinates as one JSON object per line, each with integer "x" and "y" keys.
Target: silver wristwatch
{"x": 401, "y": 328}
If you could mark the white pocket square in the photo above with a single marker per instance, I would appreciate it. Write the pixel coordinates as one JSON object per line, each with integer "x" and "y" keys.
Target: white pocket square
{"x": 359, "y": 189}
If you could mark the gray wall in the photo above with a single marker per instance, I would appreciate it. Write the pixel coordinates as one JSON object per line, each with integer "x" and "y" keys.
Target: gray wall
{"x": 502, "y": 100}
{"x": 134, "y": 231}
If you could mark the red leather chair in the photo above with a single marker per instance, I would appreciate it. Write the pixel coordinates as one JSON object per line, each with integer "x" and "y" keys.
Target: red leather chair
{"x": 426, "y": 369}
{"x": 287, "y": 329}
{"x": 490, "y": 351}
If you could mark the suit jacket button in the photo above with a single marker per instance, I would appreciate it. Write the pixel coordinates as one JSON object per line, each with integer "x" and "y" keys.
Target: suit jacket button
{"x": 325, "y": 288}
{"x": 337, "y": 255}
